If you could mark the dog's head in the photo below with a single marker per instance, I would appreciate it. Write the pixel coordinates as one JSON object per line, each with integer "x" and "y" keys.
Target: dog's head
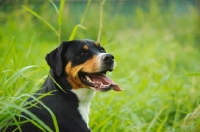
{"x": 84, "y": 63}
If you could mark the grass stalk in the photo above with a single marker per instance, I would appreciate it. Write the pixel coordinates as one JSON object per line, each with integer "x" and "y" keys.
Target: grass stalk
{"x": 42, "y": 19}
{"x": 80, "y": 25}
{"x": 101, "y": 20}
{"x": 60, "y": 19}
{"x": 36, "y": 120}
{"x": 155, "y": 118}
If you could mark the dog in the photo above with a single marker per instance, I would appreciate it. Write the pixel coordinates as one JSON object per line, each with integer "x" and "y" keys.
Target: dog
{"x": 77, "y": 70}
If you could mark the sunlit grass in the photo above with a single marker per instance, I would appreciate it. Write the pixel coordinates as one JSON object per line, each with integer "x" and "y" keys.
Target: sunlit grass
{"x": 157, "y": 56}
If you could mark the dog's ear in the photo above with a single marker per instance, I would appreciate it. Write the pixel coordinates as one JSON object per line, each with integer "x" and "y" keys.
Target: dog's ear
{"x": 54, "y": 58}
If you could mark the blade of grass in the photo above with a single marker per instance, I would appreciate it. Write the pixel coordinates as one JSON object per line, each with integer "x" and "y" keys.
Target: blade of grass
{"x": 53, "y": 80}
{"x": 73, "y": 34}
{"x": 60, "y": 17}
{"x": 60, "y": 14}
{"x": 85, "y": 12}
{"x": 32, "y": 104}
{"x": 160, "y": 128}
{"x": 14, "y": 53}
{"x": 101, "y": 124}
{"x": 155, "y": 118}
{"x": 193, "y": 74}
{"x": 14, "y": 119}
{"x": 42, "y": 19}
{"x": 36, "y": 120}
{"x": 16, "y": 75}
{"x": 55, "y": 7}
{"x": 101, "y": 20}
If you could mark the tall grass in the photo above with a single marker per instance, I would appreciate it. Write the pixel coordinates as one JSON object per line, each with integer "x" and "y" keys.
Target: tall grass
{"x": 157, "y": 55}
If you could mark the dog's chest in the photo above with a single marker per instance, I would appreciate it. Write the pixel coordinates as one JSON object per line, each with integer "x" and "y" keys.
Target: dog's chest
{"x": 84, "y": 96}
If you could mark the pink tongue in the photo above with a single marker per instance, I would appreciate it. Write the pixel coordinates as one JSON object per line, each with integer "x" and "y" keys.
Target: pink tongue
{"x": 105, "y": 80}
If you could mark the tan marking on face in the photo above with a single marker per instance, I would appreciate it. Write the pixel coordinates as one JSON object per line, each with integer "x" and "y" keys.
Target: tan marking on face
{"x": 97, "y": 44}
{"x": 90, "y": 66}
{"x": 85, "y": 47}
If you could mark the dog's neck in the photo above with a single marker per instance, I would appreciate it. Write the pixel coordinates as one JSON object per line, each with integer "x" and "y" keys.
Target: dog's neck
{"x": 84, "y": 96}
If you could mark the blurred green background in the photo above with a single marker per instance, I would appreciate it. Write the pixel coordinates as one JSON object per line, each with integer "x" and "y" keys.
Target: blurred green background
{"x": 156, "y": 44}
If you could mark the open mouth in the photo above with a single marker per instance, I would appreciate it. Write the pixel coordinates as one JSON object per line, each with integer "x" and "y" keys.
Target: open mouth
{"x": 99, "y": 81}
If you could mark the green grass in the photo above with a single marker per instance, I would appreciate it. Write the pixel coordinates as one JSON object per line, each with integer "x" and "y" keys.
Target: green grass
{"x": 157, "y": 54}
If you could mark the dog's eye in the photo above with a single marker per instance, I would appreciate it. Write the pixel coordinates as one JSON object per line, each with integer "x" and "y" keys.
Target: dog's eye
{"x": 102, "y": 50}
{"x": 84, "y": 53}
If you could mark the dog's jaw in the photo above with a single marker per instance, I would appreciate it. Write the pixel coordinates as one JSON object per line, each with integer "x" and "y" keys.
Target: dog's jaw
{"x": 84, "y": 96}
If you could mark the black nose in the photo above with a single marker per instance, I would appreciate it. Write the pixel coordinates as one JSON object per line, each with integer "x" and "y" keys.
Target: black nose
{"x": 108, "y": 58}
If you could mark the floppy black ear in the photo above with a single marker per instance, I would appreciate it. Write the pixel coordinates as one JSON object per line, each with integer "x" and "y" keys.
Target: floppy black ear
{"x": 54, "y": 58}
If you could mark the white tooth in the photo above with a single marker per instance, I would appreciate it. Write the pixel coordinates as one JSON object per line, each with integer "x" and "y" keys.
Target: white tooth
{"x": 88, "y": 79}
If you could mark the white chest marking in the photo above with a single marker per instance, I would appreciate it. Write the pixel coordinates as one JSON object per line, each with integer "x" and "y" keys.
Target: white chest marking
{"x": 84, "y": 96}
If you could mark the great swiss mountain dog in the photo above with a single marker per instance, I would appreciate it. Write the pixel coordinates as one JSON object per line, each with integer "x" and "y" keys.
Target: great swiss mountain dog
{"x": 77, "y": 69}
